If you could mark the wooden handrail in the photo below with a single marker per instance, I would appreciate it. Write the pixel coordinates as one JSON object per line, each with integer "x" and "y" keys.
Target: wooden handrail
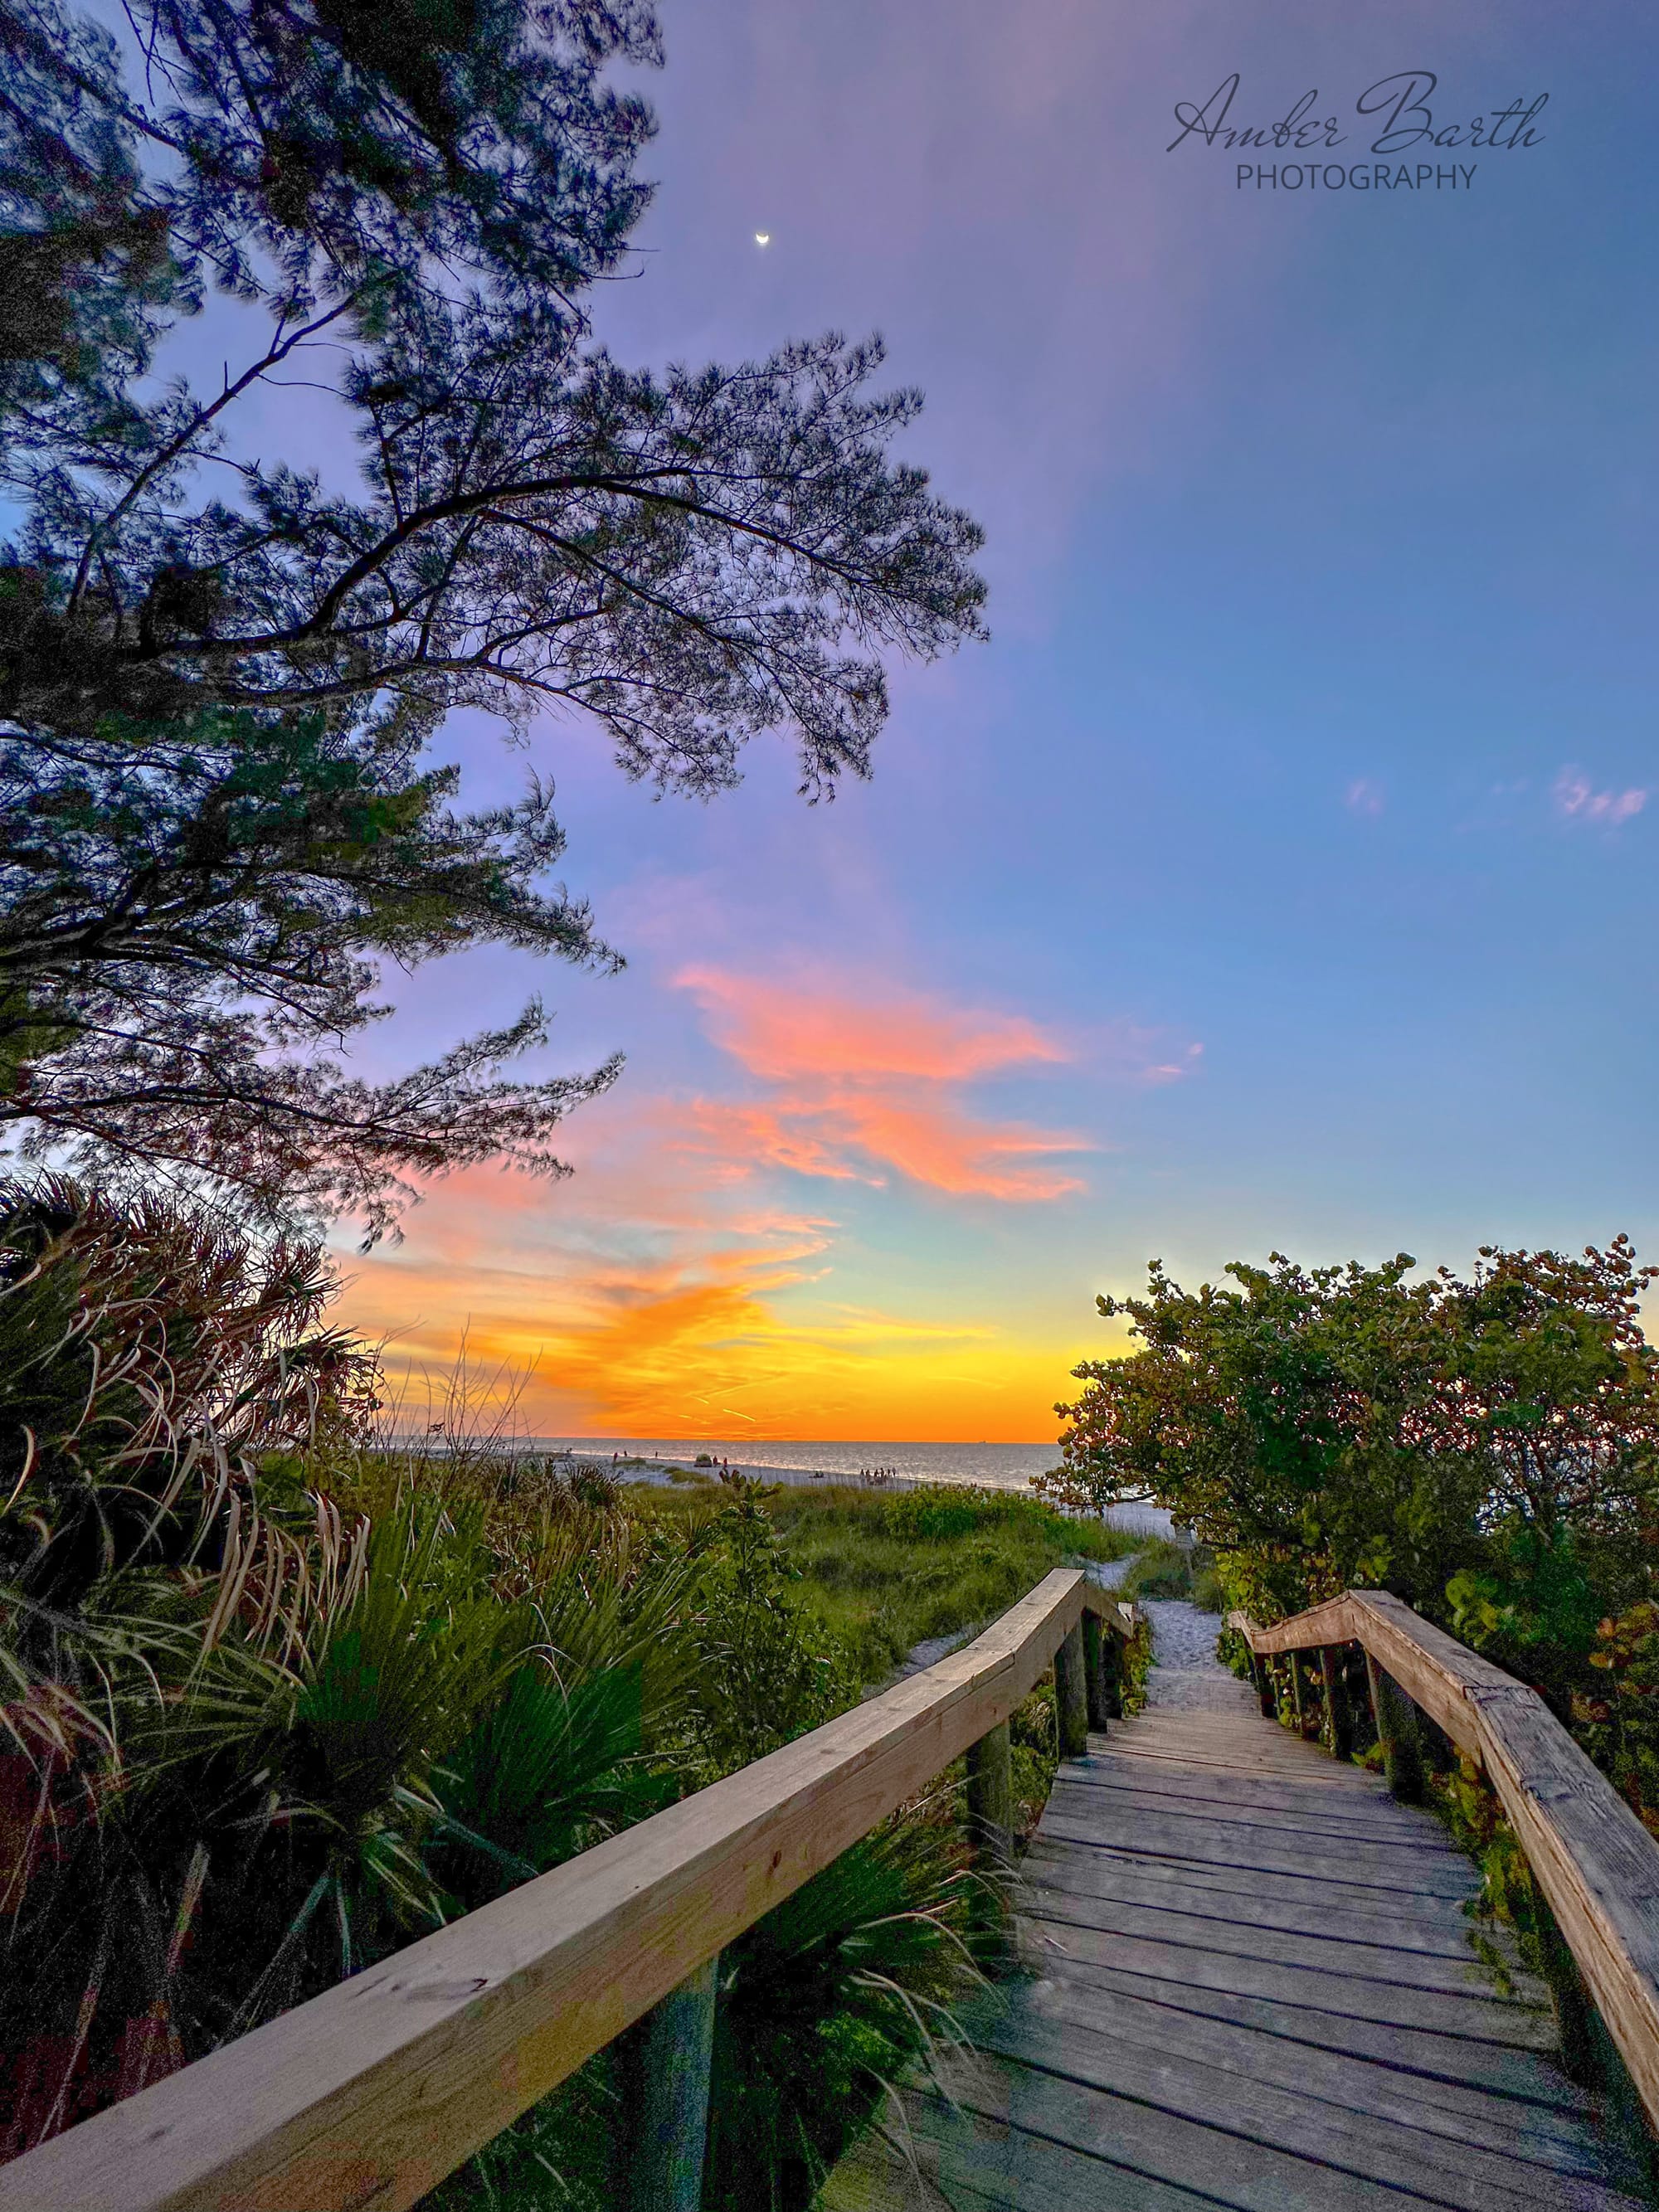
{"x": 368, "y": 2095}
{"x": 1596, "y": 1864}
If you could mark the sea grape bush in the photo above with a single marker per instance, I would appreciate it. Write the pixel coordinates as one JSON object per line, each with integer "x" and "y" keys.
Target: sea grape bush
{"x": 1487, "y": 1449}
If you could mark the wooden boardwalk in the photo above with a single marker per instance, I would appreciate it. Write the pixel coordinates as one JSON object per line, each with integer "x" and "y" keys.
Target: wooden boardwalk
{"x": 1250, "y": 1984}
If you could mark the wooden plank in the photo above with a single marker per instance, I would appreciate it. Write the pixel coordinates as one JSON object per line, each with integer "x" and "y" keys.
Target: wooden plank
{"x": 1596, "y": 1864}
{"x": 1328, "y": 1953}
{"x": 1196, "y": 1764}
{"x": 1489, "y": 2018}
{"x": 982, "y": 2165}
{"x": 1165, "y": 2146}
{"x": 1244, "y": 1807}
{"x": 1310, "y": 1893}
{"x": 1244, "y": 1737}
{"x": 1305, "y": 1761}
{"x": 369, "y": 2095}
{"x": 1484, "y": 2118}
{"x": 1359, "y": 1866}
{"x": 1237, "y": 1900}
{"x": 1268, "y": 1793}
{"x": 1369, "y": 2146}
{"x": 1282, "y": 1753}
{"x": 1528, "y": 2077}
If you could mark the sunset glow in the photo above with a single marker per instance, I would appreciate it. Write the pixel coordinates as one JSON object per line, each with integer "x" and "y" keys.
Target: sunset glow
{"x": 1278, "y": 876}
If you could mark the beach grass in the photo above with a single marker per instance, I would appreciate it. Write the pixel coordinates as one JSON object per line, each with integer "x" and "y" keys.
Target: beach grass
{"x": 889, "y": 1569}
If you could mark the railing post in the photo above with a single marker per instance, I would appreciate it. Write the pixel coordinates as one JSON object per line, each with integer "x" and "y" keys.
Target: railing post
{"x": 1071, "y": 1700}
{"x": 1396, "y": 1731}
{"x": 1297, "y": 1704}
{"x": 1338, "y": 1720}
{"x": 990, "y": 1799}
{"x": 1111, "y": 1672}
{"x": 1264, "y": 1687}
{"x": 670, "y": 2056}
{"x": 1094, "y": 1671}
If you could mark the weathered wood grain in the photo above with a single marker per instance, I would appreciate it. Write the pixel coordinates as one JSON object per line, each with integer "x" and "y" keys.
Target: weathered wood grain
{"x": 1351, "y": 1996}
{"x": 1366, "y": 2145}
{"x": 1540, "y": 2136}
{"x": 1240, "y": 1902}
{"x": 1232, "y": 2167}
{"x": 1462, "y": 1975}
{"x": 1509, "y": 2072}
{"x": 1361, "y": 1824}
{"x": 975, "y": 2164}
{"x": 1596, "y": 1864}
{"x": 1254, "y": 2038}
{"x": 1292, "y": 1794}
{"x": 1234, "y": 1843}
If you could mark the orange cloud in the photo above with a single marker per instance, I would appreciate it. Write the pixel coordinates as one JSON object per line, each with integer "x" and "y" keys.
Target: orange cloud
{"x": 867, "y": 1083}
{"x": 697, "y": 1346}
{"x": 670, "y": 1288}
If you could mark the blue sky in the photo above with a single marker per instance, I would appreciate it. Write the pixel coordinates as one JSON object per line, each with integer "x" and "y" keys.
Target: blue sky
{"x": 1279, "y": 874}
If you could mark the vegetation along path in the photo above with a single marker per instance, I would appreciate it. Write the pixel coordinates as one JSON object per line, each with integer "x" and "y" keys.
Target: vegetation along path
{"x": 1249, "y": 1983}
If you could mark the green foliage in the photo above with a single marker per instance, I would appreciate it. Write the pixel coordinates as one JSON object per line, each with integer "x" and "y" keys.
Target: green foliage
{"x": 544, "y": 1774}
{"x": 333, "y": 1695}
{"x": 255, "y": 1737}
{"x": 1207, "y": 1594}
{"x": 830, "y": 2001}
{"x": 1533, "y": 1600}
{"x": 159, "y": 879}
{"x": 1159, "y": 1569}
{"x": 1135, "y": 1662}
{"x": 1616, "y": 1718}
{"x": 1488, "y": 1449}
{"x": 888, "y": 1571}
{"x": 1510, "y": 1896}
{"x": 768, "y": 1672}
{"x": 1033, "y": 1753}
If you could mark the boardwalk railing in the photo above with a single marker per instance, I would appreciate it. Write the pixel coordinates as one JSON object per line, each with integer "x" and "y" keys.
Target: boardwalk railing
{"x": 1596, "y": 1864}
{"x": 369, "y": 2095}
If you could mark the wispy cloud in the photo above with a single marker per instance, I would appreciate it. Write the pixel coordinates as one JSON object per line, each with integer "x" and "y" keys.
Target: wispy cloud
{"x": 685, "y": 1281}
{"x": 1577, "y": 800}
{"x": 862, "y": 1083}
{"x": 1363, "y": 797}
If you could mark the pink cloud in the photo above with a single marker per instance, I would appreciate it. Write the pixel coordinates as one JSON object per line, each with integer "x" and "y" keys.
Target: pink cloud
{"x": 1363, "y": 797}
{"x": 867, "y": 1081}
{"x": 784, "y": 1032}
{"x": 1577, "y": 801}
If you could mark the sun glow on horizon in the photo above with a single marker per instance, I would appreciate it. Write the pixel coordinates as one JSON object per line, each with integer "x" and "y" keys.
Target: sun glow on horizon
{"x": 724, "y": 1261}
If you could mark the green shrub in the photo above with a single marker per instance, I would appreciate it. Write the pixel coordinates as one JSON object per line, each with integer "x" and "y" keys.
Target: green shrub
{"x": 1159, "y": 1569}
{"x": 887, "y": 1571}
{"x": 1487, "y": 1449}
{"x": 831, "y": 2001}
